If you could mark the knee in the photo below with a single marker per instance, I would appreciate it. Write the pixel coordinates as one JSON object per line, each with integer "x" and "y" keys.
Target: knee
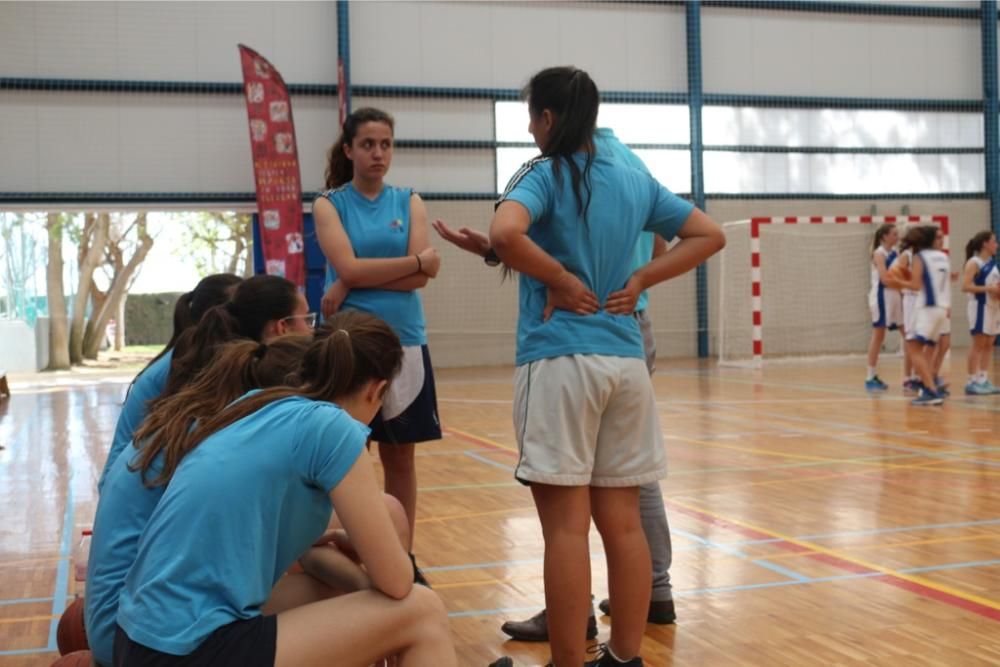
{"x": 428, "y": 609}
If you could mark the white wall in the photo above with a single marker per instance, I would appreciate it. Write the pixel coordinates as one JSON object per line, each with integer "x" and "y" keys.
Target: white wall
{"x": 18, "y": 352}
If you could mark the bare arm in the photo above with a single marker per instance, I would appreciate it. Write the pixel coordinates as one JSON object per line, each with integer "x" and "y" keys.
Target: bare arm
{"x": 879, "y": 260}
{"x": 362, "y": 511}
{"x": 659, "y": 245}
{"x": 419, "y": 242}
{"x": 913, "y": 284}
{"x": 354, "y": 272}
{"x": 968, "y": 281}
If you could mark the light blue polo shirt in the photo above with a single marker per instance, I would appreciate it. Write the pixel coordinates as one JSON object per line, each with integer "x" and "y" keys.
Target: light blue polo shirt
{"x": 379, "y": 229}
{"x": 145, "y": 388}
{"x": 599, "y": 250}
{"x": 238, "y": 511}
{"x": 606, "y": 141}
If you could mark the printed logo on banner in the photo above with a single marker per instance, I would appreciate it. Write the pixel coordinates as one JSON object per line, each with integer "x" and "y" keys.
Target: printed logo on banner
{"x": 255, "y": 92}
{"x": 275, "y": 267}
{"x": 279, "y": 112}
{"x": 262, "y": 68}
{"x": 284, "y": 143}
{"x": 272, "y": 220}
{"x": 295, "y": 244}
{"x": 258, "y": 129}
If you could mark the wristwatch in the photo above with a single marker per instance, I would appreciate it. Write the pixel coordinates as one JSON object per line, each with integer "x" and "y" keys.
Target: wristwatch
{"x": 491, "y": 258}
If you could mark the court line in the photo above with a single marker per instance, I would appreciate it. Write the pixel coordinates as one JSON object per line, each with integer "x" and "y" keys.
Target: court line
{"x": 23, "y": 601}
{"x": 882, "y": 531}
{"x": 62, "y": 570}
{"x": 917, "y": 543}
{"x": 923, "y": 587}
{"x": 733, "y": 551}
{"x": 489, "y": 462}
{"x": 26, "y": 619}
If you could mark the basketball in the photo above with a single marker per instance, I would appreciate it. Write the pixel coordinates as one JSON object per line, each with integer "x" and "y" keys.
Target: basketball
{"x": 74, "y": 659}
{"x": 900, "y": 272}
{"x": 71, "y": 634}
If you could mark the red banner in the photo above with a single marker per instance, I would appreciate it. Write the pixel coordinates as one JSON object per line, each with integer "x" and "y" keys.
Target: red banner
{"x": 275, "y": 167}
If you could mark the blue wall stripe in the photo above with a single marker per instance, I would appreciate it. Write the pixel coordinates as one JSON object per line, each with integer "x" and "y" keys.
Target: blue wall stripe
{"x": 991, "y": 122}
{"x": 344, "y": 47}
{"x": 692, "y": 16}
{"x": 854, "y": 8}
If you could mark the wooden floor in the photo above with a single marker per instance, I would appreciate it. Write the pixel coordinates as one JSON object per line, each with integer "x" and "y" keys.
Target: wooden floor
{"x": 812, "y": 524}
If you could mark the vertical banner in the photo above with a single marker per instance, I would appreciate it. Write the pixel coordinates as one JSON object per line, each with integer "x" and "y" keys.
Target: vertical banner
{"x": 275, "y": 167}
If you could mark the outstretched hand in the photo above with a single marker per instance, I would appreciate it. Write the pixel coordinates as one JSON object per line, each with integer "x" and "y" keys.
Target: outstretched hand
{"x": 570, "y": 294}
{"x": 467, "y": 239}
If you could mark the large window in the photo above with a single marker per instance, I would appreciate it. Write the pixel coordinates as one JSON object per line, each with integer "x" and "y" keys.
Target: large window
{"x": 658, "y": 133}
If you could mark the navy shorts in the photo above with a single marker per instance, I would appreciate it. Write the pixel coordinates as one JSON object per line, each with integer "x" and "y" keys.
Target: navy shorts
{"x": 419, "y": 421}
{"x": 250, "y": 642}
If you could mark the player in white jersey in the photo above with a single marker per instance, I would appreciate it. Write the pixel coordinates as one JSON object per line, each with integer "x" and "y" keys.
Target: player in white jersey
{"x": 885, "y": 303}
{"x": 930, "y": 278}
{"x": 981, "y": 281}
{"x": 903, "y": 263}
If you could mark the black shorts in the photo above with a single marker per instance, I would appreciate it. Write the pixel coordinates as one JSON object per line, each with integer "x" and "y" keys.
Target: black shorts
{"x": 419, "y": 421}
{"x": 251, "y": 642}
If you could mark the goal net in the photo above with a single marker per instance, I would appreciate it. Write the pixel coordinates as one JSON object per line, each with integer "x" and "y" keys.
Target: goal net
{"x": 795, "y": 287}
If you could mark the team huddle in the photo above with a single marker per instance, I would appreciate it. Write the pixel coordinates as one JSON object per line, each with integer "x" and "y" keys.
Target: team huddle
{"x": 240, "y": 520}
{"x": 911, "y": 292}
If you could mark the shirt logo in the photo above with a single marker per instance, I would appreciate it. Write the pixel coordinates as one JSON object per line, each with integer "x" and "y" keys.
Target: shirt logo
{"x": 396, "y": 225}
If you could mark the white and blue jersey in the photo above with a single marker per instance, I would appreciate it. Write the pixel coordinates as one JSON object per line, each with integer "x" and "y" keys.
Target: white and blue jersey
{"x": 935, "y": 288}
{"x": 145, "y": 388}
{"x": 984, "y": 312}
{"x": 885, "y": 303}
{"x": 606, "y": 141}
{"x": 599, "y": 249}
{"x": 379, "y": 229}
{"x": 238, "y": 511}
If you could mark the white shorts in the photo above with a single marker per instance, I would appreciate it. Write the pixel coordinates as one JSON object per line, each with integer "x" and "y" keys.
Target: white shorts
{"x": 888, "y": 312}
{"x": 930, "y": 323}
{"x": 909, "y": 311}
{"x": 587, "y": 420}
{"x": 984, "y": 319}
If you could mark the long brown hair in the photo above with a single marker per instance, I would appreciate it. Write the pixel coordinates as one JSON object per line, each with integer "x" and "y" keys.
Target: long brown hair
{"x": 976, "y": 244}
{"x": 350, "y": 350}
{"x": 255, "y": 302}
{"x": 921, "y": 237}
{"x": 881, "y": 233}
{"x": 239, "y": 367}
{"x": 339, "y": 168}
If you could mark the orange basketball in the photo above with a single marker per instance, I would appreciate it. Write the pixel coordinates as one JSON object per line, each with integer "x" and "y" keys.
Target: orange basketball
{"x": 74, "y": 659}
{"x": 71, "y": 635}
{"x": 900, "y": 272}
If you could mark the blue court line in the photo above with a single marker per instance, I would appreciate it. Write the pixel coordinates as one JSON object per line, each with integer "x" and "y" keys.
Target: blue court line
{"x": 498, "y": 563}
{"x": 24, "y": 601}
{"x": 694, "y": 592}
{"x": 877, "y": 531}
{"x": 62, "y": 571}
{"x": 733, "y": 551}
{"x": 26, "y": 651}
{"x": 490, "y": 462}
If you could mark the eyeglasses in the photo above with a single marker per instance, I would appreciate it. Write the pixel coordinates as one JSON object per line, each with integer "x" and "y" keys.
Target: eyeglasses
{"x": 308, "y": 318}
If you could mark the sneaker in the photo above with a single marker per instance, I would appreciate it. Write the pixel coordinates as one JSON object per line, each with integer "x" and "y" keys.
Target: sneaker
{"x": 911, "y": 387}
{"x": 605, "y": 659}
{"x": 661, "y": 612}
{"x": 928, "y": 397}
{"x": 875, "y": 384}
{"x": 502, "y": 662}
{"x": 536, "y": 628}
{"x": 992, "y": 388}
{"x": 978, "y": 389}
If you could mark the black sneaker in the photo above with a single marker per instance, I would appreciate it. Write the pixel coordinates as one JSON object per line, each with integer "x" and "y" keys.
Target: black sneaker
{"x": 418, "y": 576}
{"x": 605, "y": 659}
{"x": 502, "y": 662}
{"x": 536, "y": 628}
{"x": 661, "y": 612}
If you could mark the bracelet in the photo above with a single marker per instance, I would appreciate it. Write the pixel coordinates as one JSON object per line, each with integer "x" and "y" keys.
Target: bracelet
{"x": 420, "y": 265}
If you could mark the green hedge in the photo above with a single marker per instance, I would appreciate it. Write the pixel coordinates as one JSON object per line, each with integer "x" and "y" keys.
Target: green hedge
{"x": 149, "y": 318}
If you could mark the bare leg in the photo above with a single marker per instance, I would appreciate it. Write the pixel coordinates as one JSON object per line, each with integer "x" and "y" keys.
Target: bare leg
{"x": 944, "y": 344}
{"x": 921, "y": 364}
{"x": 361, "y": 628}
{"x": 401, "y": 480}
{"x": 565, "y": 515}
{"x": 875, "y": 345}
{"x": 616, "y": 513}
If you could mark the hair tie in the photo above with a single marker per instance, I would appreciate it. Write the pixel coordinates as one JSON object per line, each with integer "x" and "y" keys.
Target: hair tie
{"x": 344, "y": 331}
{"x": 260, "y": 351}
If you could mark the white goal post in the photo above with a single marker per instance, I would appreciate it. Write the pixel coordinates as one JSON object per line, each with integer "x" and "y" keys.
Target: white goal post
{"x": 798, "y": 285}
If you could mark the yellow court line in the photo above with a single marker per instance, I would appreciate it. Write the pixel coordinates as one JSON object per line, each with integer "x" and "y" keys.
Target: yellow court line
{"x": 473, "y": 515}
{"x": 32, "y": 561}
{"x": 26, "y": 619}
{"x": 480, "y": 438}
{"x": 970, "y": 597}
{"x": 916, "y": 543}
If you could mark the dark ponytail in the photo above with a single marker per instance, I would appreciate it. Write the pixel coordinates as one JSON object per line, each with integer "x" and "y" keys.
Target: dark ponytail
{"x": 192, "y": 306}
{"x": 881, "y": 233}
{"x": 255, "y": 302}
{"x": 348, "y": 351}
{"x": 920, "y": 237}
{"x": 572, "y": 97}
{"x": 976, "y": 244}
{"x": 339, "y": 168}
{"x": 239, "y": 367}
